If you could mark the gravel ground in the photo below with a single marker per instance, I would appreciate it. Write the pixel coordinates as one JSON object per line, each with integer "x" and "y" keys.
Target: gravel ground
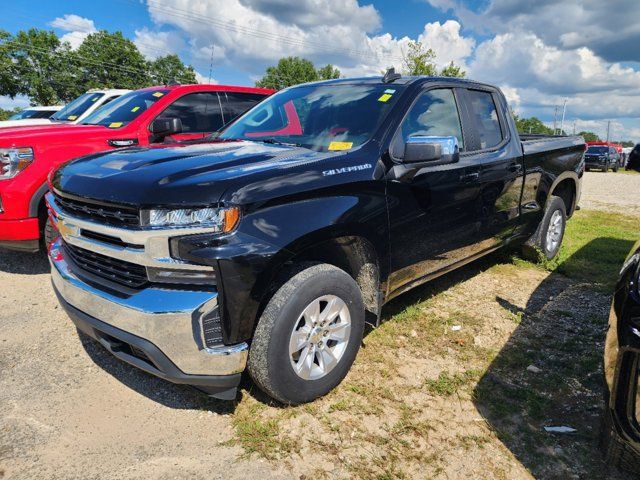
{"x": 70, "y": 410}
{"x": 611, "y": 192}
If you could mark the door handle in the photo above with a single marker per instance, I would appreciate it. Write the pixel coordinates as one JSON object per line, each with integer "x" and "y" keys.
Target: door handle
{"x": 515, "y": 167}
{"x": 469, "y": 177}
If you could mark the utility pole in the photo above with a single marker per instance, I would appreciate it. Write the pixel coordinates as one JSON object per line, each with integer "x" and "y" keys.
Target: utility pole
{"x": 211, "y": 65}
{"x": 564, "y": 108}
{"x": 608, "y": 130}
{"x": 555, "y": 119}
{"x": 574, "y": 127}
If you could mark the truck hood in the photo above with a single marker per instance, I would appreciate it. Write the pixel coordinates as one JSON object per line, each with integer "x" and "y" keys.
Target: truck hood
{"x": 27, "y": 122}
{"x": 27, "y": 136}
{"x": 194, "y": 174}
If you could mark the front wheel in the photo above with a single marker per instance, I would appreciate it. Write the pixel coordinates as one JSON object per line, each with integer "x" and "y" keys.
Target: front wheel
{"x": 308, "y": 335}
{"x": 606, "y": 168}
{"x": 549, "y": 234}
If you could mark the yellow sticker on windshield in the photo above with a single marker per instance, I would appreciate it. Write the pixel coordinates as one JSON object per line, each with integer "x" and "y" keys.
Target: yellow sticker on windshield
{"x": 135, "y": 109}
{"x": 158, "y": 94}
{"x": 384, "y": 97}
{"x": 340, "y": 145}
{"x": 72, "y": 117}
{"x": 115, "y": 124}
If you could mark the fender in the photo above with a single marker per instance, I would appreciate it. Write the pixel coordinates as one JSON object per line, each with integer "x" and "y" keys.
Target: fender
{"x": 250, "y": 260}
{"x": 36, "y": 200}
{"x": 563, "y": 176}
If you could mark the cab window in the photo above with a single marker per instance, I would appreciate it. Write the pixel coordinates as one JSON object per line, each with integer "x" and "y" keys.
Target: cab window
{"x": 485, "y": 118}
{"x": 199, "y": 112}
{"x": 434, "y": 113}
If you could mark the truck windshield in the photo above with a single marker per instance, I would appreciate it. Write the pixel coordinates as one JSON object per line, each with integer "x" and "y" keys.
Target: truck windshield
{"x": 599, "y": 150}
{"x": 124, "y": 109}
{"x": 77, "y": 107}
{"x": 318, "y": 117}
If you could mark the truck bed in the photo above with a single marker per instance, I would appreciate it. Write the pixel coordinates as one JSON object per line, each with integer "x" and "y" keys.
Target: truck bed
{"x": 537, "y": 144}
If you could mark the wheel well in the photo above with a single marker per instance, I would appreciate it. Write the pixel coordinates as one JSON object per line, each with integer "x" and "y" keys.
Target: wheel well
{"x": 357, "y": 257}
{"x": 566, "y": 190}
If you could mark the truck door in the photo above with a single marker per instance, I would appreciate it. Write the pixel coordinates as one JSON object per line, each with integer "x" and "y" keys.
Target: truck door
{"x": 200, "y": 114}
{"x": 432, "y": 209}
{"x": 499, "y": 158}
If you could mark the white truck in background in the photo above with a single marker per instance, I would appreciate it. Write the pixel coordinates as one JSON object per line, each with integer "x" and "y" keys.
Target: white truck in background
{"x": 74, "y": 112}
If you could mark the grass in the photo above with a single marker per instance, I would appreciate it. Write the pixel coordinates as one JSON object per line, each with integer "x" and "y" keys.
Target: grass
{"x": 386, "y": 421}
{"x": 595, "y": 246}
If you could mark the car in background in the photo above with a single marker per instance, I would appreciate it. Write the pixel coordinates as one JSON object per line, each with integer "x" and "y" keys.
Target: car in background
{"x": 144, "y": 117}
{"x": 633, "y": 162}
{"x": 35, "y": 112}
{"x": 602, "y": 157}
{"x": 74, "y": 112}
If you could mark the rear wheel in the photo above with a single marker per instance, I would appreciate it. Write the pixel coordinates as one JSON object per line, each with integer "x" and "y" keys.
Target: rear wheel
{"x": 547, "y": 239}
{"x": 308, "y": 335}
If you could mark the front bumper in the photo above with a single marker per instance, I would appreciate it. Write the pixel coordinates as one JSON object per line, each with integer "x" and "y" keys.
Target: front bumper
{"x": 162, "y": 323}
{"x": 21, "y": 234}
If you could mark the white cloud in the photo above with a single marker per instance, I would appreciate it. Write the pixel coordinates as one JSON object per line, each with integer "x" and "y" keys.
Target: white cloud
{"x": 157, "y": 44}
{"x": 205, "y": 79}
{"x": 77, "y": 28}
{"x": 252, "y": 34}
{"x": 607, "y": 28}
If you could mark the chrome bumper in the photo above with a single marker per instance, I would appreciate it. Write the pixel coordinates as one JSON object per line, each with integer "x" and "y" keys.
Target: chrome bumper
{"x": 170, "y": 319}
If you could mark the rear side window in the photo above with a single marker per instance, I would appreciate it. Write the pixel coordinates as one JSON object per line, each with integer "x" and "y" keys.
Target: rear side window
{"x": 434, "y": 113}
{"x": 235, "y": 104}
{"x": 198, "y": 112}
{"x": 485, "y": 117}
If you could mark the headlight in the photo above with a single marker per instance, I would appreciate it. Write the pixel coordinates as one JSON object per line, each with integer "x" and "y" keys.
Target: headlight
{"x": 14, "y": 160}
{"x": 222, "y": 220}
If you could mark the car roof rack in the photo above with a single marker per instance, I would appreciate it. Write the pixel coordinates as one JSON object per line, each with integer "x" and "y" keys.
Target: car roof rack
{"x": 391, "y": 76}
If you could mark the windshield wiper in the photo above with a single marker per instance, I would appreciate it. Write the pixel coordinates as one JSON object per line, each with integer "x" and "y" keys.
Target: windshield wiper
{"x": 273, "y": 141}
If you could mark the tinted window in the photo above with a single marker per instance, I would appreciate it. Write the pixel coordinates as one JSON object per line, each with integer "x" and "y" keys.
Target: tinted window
{"x": 434, "y": 114}
{"x": 199, "y": 112}
{"x": 597, "y": 150}
{"x": 485, "y": 117}
{"x": 318, "y": 117}
{"x": 32, "y": 114}
{"x": 124, "y": 109}
{"x": 235, "y": 104}
{"x": 77, "y": 107}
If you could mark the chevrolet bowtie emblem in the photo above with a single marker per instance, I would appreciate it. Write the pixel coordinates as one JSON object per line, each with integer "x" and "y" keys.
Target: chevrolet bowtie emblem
{"x": 65, "y": 229}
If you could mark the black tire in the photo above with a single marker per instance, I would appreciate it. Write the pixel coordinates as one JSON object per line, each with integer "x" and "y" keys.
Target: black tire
{"x": 606, "y": 168}
{"x": 615, "y": 167}
{"x": 269, "y": 359}
{"x": 615, "y": 451}
{"x": 50, "y": 233}
{"x": 537, "y": 244}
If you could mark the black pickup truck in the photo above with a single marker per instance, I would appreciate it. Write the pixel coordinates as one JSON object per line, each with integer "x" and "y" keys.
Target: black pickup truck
{"x": 270, "y": 245}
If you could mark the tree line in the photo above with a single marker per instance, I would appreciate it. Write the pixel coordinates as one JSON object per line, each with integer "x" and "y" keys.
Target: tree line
{"x": 37, "y": 64}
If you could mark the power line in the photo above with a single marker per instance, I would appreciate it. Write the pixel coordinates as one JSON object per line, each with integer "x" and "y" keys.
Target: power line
{"x": 233, "y": 27}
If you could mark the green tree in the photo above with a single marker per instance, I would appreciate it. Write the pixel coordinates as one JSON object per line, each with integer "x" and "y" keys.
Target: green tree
{"x": 589, "y": 136}
{"x": 8, "y": 84}
{"x": 5, "y": 114}
{"x": 532, "y": 125}
{"x": 294, "y": 70}
{"x": 41, "y": 67}
{"x": 453, "y": 70}
{"x": 109, "y": 60}
{"x": 328, "y": 72}
{"x": 170, "y": 68}
{"x": 420, "y": 60}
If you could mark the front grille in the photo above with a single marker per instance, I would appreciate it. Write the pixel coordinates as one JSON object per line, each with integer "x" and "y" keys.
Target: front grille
{"x": 100, "y": 212}
{"x": 118, "y": 271}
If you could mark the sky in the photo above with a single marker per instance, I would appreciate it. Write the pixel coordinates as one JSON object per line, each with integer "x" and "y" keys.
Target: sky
{"x": 541, "y": 54}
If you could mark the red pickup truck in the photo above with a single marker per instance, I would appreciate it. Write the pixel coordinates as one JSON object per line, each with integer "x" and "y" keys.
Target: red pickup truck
{"x": 152, "y": 115}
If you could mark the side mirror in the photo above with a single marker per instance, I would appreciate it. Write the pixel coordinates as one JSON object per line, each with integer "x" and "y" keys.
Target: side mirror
{"x": 163, "y": 127}
{"x": 431, "y": 150}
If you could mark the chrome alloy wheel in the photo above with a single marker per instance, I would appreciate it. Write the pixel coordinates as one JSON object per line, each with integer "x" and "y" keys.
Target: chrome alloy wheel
{"x": 554, "y": 232}
{"x": 320, "y": 337}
